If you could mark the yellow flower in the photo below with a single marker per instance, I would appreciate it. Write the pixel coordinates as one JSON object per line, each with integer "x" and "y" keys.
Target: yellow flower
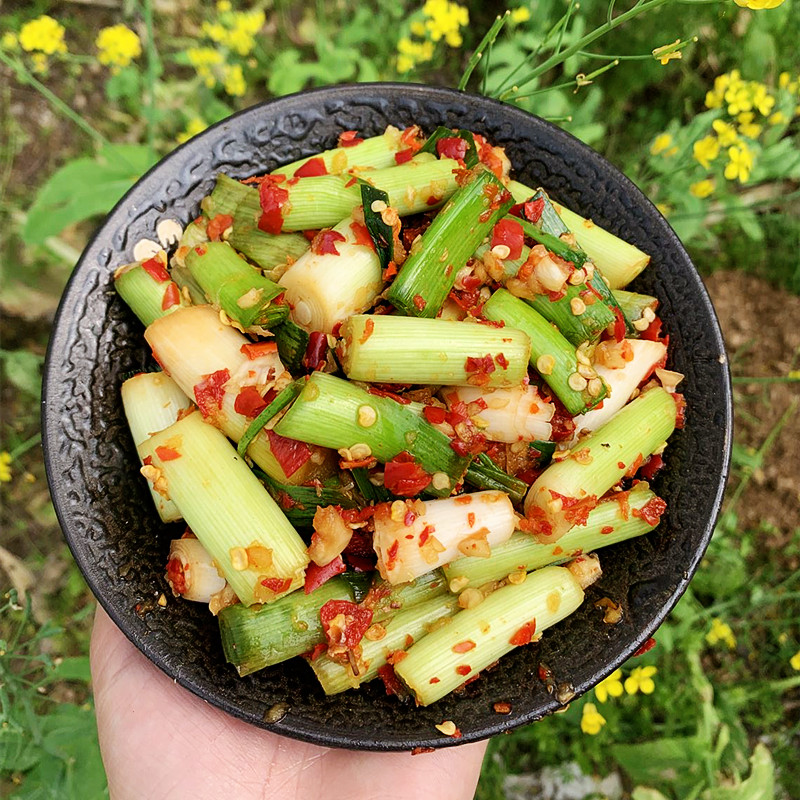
{"x": 664, "y": 209}
{"x": 9, "y": 41}
{"x": 705, "y": 150}
{"x": 445, "y": 20}
{"x": 39, "y": 61}
{"x": 43, "y": 34}
{"x": 235, "y": 84}
{"x": 521, "y": 14}
{"x": 609, "y": 687}
{"x": 661, "y": 143}
{"x": 725, "y": 131}
{"x": 702, "y": 188}
{"x": 412, "y": 53}
{"x": 666, "y": 53}
{"x": 738, "y": 99}
{"x": 778, "y": 118}
{"x": 751, "y": 130}
{"x": 721, "y": 632}
{"x": 224, "y": 6}
{"x": 762, "y": 99}
{"x": 117, "y": 46}
{"x": 418, "y": 28}
{"x": 203, "y": 59}
{"x": 641, "y": 680}
{"x": 240, "y": 36}
{"x": 794, "y": 661}
{"x": 740, "y": 163}
{"x": 5, "y": 467}
{"x": 757, "y": 5}
{"x": 195, "y": 126}
{"x": 592, "y": 720}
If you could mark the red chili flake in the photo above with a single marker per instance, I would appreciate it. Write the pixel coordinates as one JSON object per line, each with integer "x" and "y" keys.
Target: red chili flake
{"x": 325, "y": 242}
{"x": 463, "y": 669}
{"x": 393, "y": 686}
{"x": 410, "y": 137}
{"x": 172, "y": 296}
{"x": 478, "y": 364}
{"x": 650, "y": 512}
{"x": 349, "y": 139}
{"x": 452, "y": 147}
{"x": 409, "y": 518}
{"x": 646, "y": 647}
{"x": 464, "y": 647}
{"x": 536, "y": 522}
{"x": 619, "y": 325}
{"x": 576, "y": 510}
{"x": 316, "y": 351}
{"x": 254, "y": 350}
{"x": 369, "y": 327}
{"x": 289, "y": 453}
{"x": 501, "y": 361}
{"x": 316, "y": 575}
{"x": 148, "y": 461}
{"x": 277, "y": 585}
{"x": 361, "y": 235}
{"x": 509, "y": 232}
{"x": 434, "y": 414}
{"x": 380, "y": 392}
{"x": 176, "y": 576}
{"x": 318, "y": 650}
{"x": 294, "y": 180}
{"x": 419, "y": 302}
{"x": 606, "y": 529}
{"x": 390, "y": 271}
{"x": 471, "y": 519}
{"x": 502, "y": 708}
{"x": 545, "y": 673}
{"x": 356, "y": 622}
{"x": 635, "y": 466}
{"x": 457, "y": 413}
{"x": 210, "y": 391}
{"x": 312, "y": 167}
{"x": 217, "y": 225}
{"x": 167, "y": 453}
{"x": 391, "y": 554}
{"x": 156, "y": 270}
{"x": 416, "y": 751}
{"x": 434, "y": 680}
{"x": 524, "y": 634}
{"x": 260, "y": 179}
{"x": 310, "y": 235}
{"x": 563, "y": 425}
{"x": 680, "y": 413}
{"x": 249, "y": 402}
{"x": 488, "y": 156}
{"x": 404, "y": 477}
{"x": 351, "y": 182}
{"x": 425, "y": 534}
{"x": 401, "y": 156}
{"x": 653, "y": 331}
{"x": 368, "y": 462}
{"x": 272, "y": 198}
{"x": 532, "y": 210}
{"x": 432, "y": 200}
{"x": 624, "y": 505}
{"x": 621, "y": 464}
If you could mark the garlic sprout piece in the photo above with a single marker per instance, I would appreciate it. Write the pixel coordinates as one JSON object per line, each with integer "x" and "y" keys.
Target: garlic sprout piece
{"x": 324, "y": 289}
{"x": 623, "y": 366}
{"x": 506, "y": 415}
{"x": 191, "y": 572}
{"x": 413, "y": 537}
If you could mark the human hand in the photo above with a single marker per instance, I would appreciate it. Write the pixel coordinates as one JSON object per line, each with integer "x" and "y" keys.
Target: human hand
{"x": 160, "y": 741}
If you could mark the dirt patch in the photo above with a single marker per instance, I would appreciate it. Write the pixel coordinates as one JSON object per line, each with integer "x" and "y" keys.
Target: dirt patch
{"x": 761, "y": 325}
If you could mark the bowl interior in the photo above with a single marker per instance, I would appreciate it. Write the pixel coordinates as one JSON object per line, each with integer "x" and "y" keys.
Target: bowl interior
{"x": 120, "y": 545}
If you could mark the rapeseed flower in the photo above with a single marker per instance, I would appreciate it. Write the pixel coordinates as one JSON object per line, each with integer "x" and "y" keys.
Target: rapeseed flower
{"x": 445, "y": 19}
{"x": 721, "y": 632}
{"x": 705, "y": 150}
{"x": 667, "y": 52}
{"x": 778, "y": 118}
{"x": 641, "y": 680}
{"x": 9, "y": 41}
{"x": 740, "y": 163}
{"x": 223, "y": 6}
{"x": 5, "y": 467}
{"x": 747, "y": 127}
{"x": 726, "y": 133}
{"x": 412, "y": 53}
{"x": 662, "y": 144}
{"x": 240, "y": 31}
{"x": 43, "y": 34}
{"x": 794, "y": 661}
{"x": 757, "y": 5}
{"x": 592, "y": 720}
{"x": 194, "y": 126}
{"x": 203, "y": 59}
{"x": 235, "y": 84}
{"x": 762, "y": 99}
{"x": 609, "y": 687}
{"x": 702, "y": 189}
{"x": 117, "y": 46}
{"x": 520, "y": 14}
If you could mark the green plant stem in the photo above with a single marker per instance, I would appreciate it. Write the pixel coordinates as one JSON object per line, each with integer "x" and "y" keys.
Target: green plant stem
{"x": 152, "y": 76}
{"x": 574, "y": 82}
{"x": 487, "y": 41}
{"x": 567, "y": 15}
{"x": 23, "y": 448}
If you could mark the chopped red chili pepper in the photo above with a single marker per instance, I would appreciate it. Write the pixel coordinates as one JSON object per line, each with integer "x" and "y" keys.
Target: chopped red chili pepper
{"x": 680, "y": 412}
{"x": 210, "y": 392}
{"x": 563, "y": 425}
{"x": 524, "y": 634}
{"x": 464, "y": 647}
{"x": 452, "y": 147}
{"x": 172, "y": 296}
{"x": 312, "y": 167}
{"x": 576, "y": 510}
{"x": 403, "y": 477}
{"x": 325, "y": 242}
{"x": 254, "y": 350}
{"x": 646, "y": 647}
{"x": 651, "y": 511}
{"x": 316, "y": 351}
{"x": 361, "y": 235}
{"x": 156, "y": 270}
{"x": 316, "y": 575}
{"x": 509, "y": 232}
{"x": 619, "y": 325}
{"x": 392, "y": 683}
{"x": 434, "y": 414}
{"x": 277, "y": 585}
{"x": 501, "y": 361}
{"x": 653, "y": 332}
{"x": 249, "y": 402}
{"x": 532, "y": 210}
{"x": 390, "y": 271}
{"x": 369, "y": 327}
{"x": 463, "y": 669}
{"x": 176, "y": 576}
{"x": 217, "y": 225}
{"x": 419, "y": 302}
{"x": 425, "y": 534}
{"x": 391, "y": 554}
{"x": 289, "y": 453}
{"x": 167, "y": 453}
{"x": 379, "y": 392}
{"x": 355, "y": 622}
{"x": 272, "y": 198}
{"x": 607, "y": 529}
{"x": 401, "y": 156}
{"x": 349, "y": 139}
{"x": 432, "y": 200}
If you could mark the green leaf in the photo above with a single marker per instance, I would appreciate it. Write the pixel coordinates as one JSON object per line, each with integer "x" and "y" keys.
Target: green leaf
{"x": 127, "y": 83}
{"x": 21, "y": 369}
{"x": 666, "y": 760}
{"x": 83, "y": 188}
{"x": 646, "y": 793}
{"x": 759, "y": 786}
{"x": 73, "y": 668}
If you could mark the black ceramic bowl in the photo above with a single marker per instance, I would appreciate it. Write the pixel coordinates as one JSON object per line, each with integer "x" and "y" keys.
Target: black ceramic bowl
{"x": 104, "y": 506}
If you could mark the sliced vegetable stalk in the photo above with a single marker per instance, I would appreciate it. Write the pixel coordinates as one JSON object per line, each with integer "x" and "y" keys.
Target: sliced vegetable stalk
{"x": 394, "y": 349}
{"x": 300, "y": 503}
{"x": 195, "y": 233}
{"x": 518, "y": 414}
{"x": 152, "y": 402}
{"x": 268, "y": 251}
{"x": 432, "y": 145}
{"x": 228, "y": 376}
{"x": 429, "y": 273}
{"x": 412, "y": 537}
{"x": 255, "y": 548}
{"x": 240, "y": 290}
{"x": 483, "y": 473}
{"x": 332, "y": 412}
{"x": 552, "y": 356}
{"x": 638, "y": 308}
{"x": 191, "y": 571}
{"x": 375, "y": 152}
{"x": 292, "y": 341}
{"x": 262, "y": 635}
{"x": 623, "y": 366}
{"x": 381, "y": 640}
{"x": 386, "y": 599}
{"x": 619, "y": 261}
{"x": 567, "y": 490}
{"x": 338, "y": 276}
{"x": 616, "y": 519}
{"x": 509, "y": 617}
{"x": 418, "y": 185}
{"x": 148, "y": 288}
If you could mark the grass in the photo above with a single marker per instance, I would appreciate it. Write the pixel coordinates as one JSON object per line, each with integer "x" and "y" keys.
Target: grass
{"x": 723, "y": 720}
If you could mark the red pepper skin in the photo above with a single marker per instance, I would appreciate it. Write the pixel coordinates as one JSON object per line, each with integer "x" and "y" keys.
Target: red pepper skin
{"x": 404, "y": 477}
{"x": 646, "y": 647}
{"x": 167, "y": 453}
{"x": 316, "y": 575}
{"x": 651, "y": 511}
{"x": 349, "y": 139}
{"x": 156, "y": 270}
{"x": 313, "y": 167}
{"x": 524, "y": 634}
{"x": 357, "y": 620}
{"x": 434, "y": 414}
{"x": 532, "y": 210}
{"x": 249, "y": 402}
{"x": 289, "y": 453}
{"x": 316, "y": 351}
{"x": 452, "y": 147}
{"x": 217, "y": 225}
{"x": 272, "y": 199}
{"x": 210, "y": 391}
{"x": 277, "y": 585}
{"x": 325, "y": 242}
{"x": 509, "y": 233}
{"x": 172, "y": 296}
{"x": 361, "y": 235}
{"x": 176, "y": 576}
{"x": 254, "y": 350}
{"x": 401, "y": 156}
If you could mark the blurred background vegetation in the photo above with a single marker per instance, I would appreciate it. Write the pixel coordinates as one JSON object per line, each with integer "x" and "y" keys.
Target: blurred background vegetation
{"x": 697, "y": 102}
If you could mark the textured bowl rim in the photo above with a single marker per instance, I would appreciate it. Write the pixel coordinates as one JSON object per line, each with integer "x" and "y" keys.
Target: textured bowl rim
{"x": 51, "y": 420}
